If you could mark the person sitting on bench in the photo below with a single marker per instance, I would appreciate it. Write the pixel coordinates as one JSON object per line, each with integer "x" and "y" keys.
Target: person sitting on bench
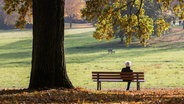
{"x": 127, "y": 69}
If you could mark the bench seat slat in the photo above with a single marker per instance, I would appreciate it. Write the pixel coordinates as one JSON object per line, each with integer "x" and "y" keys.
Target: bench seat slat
{"x": 116, "y": 77}
{"x": 117, "y": 72}
{"x": 120, "y": 78}
{"x": 119, "y": 75}
{"x": 115, "y": 80}
{"x": 100, "y": 77}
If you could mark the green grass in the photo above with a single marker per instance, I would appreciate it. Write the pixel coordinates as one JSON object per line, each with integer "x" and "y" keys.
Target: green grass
{"x": 163, "y": 63}
{"x": 15, "y": 58}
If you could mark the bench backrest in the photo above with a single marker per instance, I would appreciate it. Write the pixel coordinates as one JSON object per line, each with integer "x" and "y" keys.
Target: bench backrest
{"x": 118, "y": 76}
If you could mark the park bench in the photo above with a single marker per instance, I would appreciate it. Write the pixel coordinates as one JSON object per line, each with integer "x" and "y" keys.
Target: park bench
{"x": 117, "y": 77}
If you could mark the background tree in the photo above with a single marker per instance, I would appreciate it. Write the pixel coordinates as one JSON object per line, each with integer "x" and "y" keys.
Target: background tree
{"x": 6, "y": 21}
{"x": 72, "y": 9}
{"x": 2, "y": 15}
{"x": 48, "y": 61}
{"x": 22, "y": 7}
{"x": 130, "y": 17}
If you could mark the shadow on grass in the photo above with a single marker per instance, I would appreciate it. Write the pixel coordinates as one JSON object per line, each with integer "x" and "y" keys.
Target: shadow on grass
{"x": 170, "y": 45}
{"x": 15, "y": 59}
{"x": 84, "y": 45}
{"x": 98, "y": 46}
{"x": 90, "y": 45}
{"x": 18, "y": 45}
{"x": 15, "y": 53}
{"x": 99, "y": 50}
{"x": 81, "y": 35}
{"x": 13, "y": 64}
{"x": 95, "y": 47}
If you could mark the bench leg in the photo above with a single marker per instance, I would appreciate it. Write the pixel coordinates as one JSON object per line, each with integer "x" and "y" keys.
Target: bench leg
{"x": 98, "y": 85}
{"x": 138, "y": 85}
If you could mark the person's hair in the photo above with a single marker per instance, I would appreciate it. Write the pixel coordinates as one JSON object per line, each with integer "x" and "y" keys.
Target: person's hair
{"x": 128, "y": 63}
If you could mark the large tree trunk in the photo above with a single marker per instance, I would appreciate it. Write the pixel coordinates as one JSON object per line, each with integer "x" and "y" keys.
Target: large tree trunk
{"x": 48, "y": 61}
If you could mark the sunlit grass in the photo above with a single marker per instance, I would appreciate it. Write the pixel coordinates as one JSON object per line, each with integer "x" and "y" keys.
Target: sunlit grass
{"x": 163, "y": 63}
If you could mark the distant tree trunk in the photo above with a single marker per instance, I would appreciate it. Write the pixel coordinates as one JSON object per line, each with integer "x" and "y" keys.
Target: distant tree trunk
{"x": 71, "y": 18}
{"x": 122, "y": 40}
{"x": 48, "y": 61}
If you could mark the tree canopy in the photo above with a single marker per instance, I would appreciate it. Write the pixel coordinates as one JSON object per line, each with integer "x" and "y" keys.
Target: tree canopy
{"x": 133, "y": 22}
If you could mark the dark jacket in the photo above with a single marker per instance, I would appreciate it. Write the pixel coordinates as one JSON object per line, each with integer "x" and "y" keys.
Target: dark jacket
{"x": 127, "y": 69}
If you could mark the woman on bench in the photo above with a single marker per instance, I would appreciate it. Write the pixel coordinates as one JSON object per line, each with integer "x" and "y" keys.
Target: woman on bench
{"x": 127, "y": 69}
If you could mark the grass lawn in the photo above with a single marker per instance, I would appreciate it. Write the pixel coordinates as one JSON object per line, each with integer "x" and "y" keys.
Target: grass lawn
{"x": 162, "y": 61}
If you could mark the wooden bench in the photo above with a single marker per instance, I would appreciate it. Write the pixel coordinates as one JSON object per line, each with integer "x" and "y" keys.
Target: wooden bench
{"x": 117, "y": 77}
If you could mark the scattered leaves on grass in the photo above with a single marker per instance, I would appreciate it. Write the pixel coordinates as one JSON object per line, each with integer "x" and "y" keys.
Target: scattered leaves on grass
{"x": 80, "y": 95}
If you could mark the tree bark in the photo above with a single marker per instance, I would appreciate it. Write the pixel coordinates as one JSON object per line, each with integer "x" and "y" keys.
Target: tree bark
{"x": 48, "y": 60}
